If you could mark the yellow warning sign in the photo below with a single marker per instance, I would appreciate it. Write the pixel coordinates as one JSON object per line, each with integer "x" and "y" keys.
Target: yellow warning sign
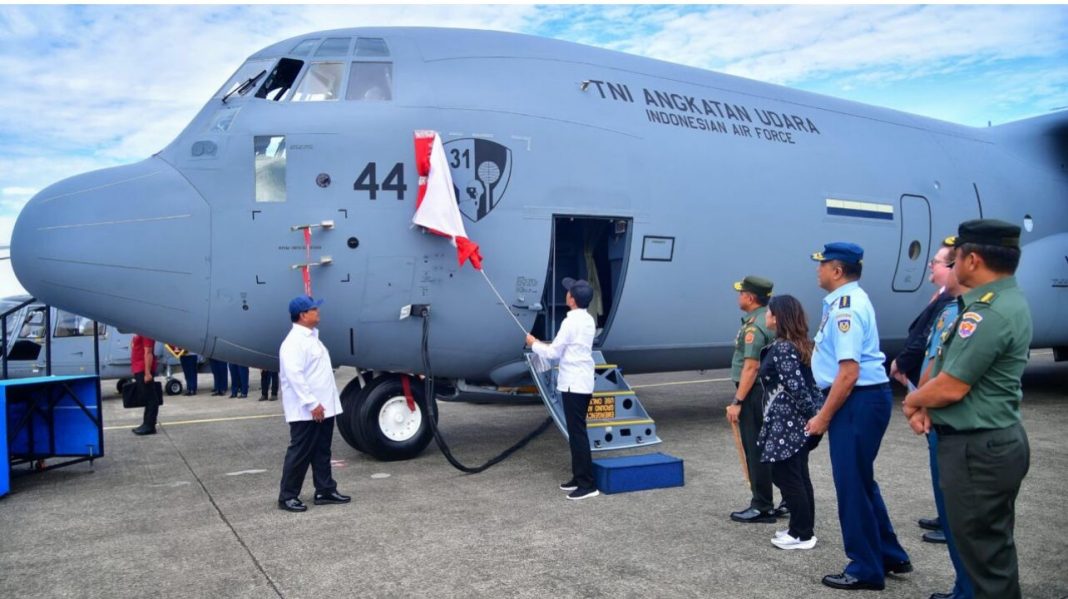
{"x": 601, "y": 408}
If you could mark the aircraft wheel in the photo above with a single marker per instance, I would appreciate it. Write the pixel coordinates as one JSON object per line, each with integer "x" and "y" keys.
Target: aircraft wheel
{"x": 173, "y": 386}
{"x": 348, "y": 405}
{"x": 388, "y": 430}
{"x": 122, "y": 383}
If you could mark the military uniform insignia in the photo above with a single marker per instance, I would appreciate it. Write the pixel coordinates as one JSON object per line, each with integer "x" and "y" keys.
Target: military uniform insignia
{"x": 843, "y": 325}
{"x": 844, "y": 302}
{"x": 967, "y": 327}
{"x": 749, "y": 337}
{"x": 987, "y": 297}
{"x": 972, "y": 316}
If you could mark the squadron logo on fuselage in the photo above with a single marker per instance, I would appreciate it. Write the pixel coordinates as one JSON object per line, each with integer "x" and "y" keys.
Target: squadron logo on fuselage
{"x": 481, "y": 170}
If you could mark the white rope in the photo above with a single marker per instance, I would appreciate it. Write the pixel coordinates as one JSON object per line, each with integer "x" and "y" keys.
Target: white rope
{"x": 503, "y": 303}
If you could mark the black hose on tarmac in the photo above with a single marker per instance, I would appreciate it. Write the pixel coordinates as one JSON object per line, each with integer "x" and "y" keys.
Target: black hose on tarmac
{"x": 428, "y": 383}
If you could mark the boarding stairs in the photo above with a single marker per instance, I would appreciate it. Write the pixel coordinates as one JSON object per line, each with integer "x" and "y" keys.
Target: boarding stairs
{"x": 615, "y": 419}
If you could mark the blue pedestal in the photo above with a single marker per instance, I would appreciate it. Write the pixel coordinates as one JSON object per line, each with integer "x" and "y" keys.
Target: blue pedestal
{"x": 49, "y": 417}
{"x": 638, "y": 473}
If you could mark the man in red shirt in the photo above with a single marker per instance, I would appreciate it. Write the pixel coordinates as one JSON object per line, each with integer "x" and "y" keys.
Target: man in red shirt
{"x": 143, "y": 364}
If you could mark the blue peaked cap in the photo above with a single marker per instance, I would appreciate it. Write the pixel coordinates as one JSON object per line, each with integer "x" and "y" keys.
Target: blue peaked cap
{"x": 303, "y": 303}
{"x": 840, "y": 250}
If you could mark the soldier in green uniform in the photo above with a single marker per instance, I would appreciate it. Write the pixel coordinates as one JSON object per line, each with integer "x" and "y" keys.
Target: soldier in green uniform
{"x": 747, "y": 409}
{"x": 972, "y": 402}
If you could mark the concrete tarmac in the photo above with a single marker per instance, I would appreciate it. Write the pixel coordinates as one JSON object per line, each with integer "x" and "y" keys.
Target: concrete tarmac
{"x": 191, "y": 512}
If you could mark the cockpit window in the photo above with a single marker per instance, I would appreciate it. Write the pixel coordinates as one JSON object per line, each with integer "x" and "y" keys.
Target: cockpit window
{"x": 72, "y": 325}
{"x": 334, "y": 46}
{"x": 270, "y": 168}
{"x": 304, "y": 47}
{"x": 247, "y": 72}
{"x": 321, "y": 82}
{"x": 371, "y": 46}
{"x": 370, "y": 81}
{"x": 281, "y": 79}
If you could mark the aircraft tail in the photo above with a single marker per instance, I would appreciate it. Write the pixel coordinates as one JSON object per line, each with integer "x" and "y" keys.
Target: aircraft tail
{"x": 1042, "y": 139}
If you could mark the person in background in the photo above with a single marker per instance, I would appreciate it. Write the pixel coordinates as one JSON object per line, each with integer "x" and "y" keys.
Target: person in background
{"x": 189, "y": 371}
{"x": 143, "y": 365}
{"x": 238, "y": 380}
{"x": 268, "y": 382}
{"x": 218, "y": 377}
{"x": 791, "y": 398}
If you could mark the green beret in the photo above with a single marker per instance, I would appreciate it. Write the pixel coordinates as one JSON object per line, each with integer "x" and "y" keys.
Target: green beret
{"x": 986, "y": 231}
{"x": 755, "y": 285}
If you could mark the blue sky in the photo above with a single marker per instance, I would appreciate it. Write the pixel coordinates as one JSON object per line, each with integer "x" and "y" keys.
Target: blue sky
{"x": 86, "y": 87}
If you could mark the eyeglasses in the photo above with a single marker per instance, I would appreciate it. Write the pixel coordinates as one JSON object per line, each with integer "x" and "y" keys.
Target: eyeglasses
{"x": 946, "y": 264}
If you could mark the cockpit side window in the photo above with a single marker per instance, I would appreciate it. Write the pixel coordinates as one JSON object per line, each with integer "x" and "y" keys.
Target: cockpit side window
{"x": 247, "y": 72}
{"x": 321, "y": 82}
{"x": 370, "y": 81}
{"x": 72, "y": 325}
{"x": 281, "y": 79}
{"x": 270, "y": 163}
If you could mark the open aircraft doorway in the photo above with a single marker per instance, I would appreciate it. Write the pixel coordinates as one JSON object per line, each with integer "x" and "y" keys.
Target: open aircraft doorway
{"x": 594, "y": 248}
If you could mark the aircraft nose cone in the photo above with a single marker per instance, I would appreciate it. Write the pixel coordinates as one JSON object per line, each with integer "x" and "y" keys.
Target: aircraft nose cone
{"x": 128, "y": 246}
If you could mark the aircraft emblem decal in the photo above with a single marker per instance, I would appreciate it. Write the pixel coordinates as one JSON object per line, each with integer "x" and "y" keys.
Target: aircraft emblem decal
{"x": 481, "y": 170}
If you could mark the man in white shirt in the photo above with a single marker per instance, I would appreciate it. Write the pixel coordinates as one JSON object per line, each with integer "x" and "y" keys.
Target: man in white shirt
{"x": 310, "y": 399}
{"x": 573, "y": 347}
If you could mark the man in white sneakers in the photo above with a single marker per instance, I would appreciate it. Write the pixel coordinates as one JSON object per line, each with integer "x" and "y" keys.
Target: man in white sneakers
{"x": 573, "y": 347}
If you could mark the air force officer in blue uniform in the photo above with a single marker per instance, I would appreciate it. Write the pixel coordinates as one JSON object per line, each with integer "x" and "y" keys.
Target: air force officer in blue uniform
{"x": 848, "y": 366}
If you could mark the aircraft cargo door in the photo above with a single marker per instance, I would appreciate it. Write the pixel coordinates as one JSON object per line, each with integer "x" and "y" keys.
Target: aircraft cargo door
{"x": 915, "y": 245}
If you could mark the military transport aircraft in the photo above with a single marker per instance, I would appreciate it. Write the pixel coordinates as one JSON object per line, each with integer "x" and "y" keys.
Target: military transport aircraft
{"x": 661, "y": 183}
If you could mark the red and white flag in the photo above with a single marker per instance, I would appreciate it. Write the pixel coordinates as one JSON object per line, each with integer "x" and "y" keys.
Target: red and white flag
{"x": 436, "y": 208}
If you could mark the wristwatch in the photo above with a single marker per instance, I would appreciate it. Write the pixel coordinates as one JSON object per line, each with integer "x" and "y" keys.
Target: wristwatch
{"x": 736, "y": 402}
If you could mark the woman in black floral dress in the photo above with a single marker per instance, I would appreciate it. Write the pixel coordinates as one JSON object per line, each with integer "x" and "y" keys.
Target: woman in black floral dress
{"x": 790, "y": 399}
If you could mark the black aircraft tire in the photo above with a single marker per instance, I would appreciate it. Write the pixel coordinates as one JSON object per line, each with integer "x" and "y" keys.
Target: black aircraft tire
{"x": 119, "y": 384}
{"x": 348, "y": 407}
{"x": 173, "y": 386}
{"x": 401, "y": 441}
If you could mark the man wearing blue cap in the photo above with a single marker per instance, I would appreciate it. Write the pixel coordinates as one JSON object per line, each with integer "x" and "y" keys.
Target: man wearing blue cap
{"x": 848, "y": 366}
{"x": 310, "y": 399}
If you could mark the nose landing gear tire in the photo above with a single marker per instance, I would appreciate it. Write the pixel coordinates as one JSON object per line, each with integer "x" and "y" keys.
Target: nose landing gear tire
{"x": 122, "y": 383}
{"x": 349, "y": 409}
{"x": 173, "y": 386}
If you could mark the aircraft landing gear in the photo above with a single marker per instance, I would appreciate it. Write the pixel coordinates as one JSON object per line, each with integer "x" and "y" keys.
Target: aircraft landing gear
{"x": 173, "y": 386}
{"x": 380, "y": 422}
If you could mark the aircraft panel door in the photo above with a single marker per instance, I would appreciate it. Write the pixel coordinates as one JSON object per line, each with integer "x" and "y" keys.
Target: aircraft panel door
{"x": 915, "y": 247}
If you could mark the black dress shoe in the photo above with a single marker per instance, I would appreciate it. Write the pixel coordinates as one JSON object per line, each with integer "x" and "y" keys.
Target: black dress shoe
{"x": 331, "y": 497}
{"x": 233, "y": 396}
{"x": 754, "y": 516}
{"x": 262, "y": 398}
{"x": 899, "y": 568}
{"x": 941, "y": 596}
{"x": 144, "y": 430}
{"x": 292, "y": 505}
{"x": 934, "y": 536}
{"x": 782, "y": 511}
{"x": 216, "y": 393}
{"x": 930, "y": 523}
{"x": 190, "y": 393}
{"x": 849, "y": 583}
{"x": 274, "y": 398}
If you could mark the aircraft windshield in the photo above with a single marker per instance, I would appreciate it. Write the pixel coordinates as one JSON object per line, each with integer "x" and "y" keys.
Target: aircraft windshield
{"x": 321, "y": 82}
{"x": 248, "y": 71}
{"x": 72, "y": 325}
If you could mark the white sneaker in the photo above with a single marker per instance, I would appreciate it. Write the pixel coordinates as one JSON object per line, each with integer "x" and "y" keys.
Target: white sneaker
{"x": 578, "y": 494}
{"x": 788, "y": 542}
{"x": 782, "y": 533}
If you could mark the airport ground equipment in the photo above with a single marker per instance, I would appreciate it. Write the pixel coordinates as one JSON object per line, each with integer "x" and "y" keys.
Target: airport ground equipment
{"x": 49, "y": 417}
{"x": 638, "y": 473}
{"x": 616, "y": 418}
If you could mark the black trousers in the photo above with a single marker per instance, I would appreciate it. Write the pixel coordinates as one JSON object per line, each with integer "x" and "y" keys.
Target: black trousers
{"x": 309, "y": 444}
{"x": 750, "y": 421}
{"x": 218, "y": 374}
{"x": 795, "y": 484}
{"x": 575, "y": 407}
{"x": 268, "y": 380}
{"x": 980, "y": 476}
{"x": 148, "y": 394}
{"x": 189, "y": 370}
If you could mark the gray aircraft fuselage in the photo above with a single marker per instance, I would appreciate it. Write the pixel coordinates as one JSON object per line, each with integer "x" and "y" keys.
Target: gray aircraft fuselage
{"x": 668, "y": 182}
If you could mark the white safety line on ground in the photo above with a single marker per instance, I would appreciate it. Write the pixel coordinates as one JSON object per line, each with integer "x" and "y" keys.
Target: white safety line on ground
{"x": 679, "y": 383}
{"x": 203, "y": 421}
